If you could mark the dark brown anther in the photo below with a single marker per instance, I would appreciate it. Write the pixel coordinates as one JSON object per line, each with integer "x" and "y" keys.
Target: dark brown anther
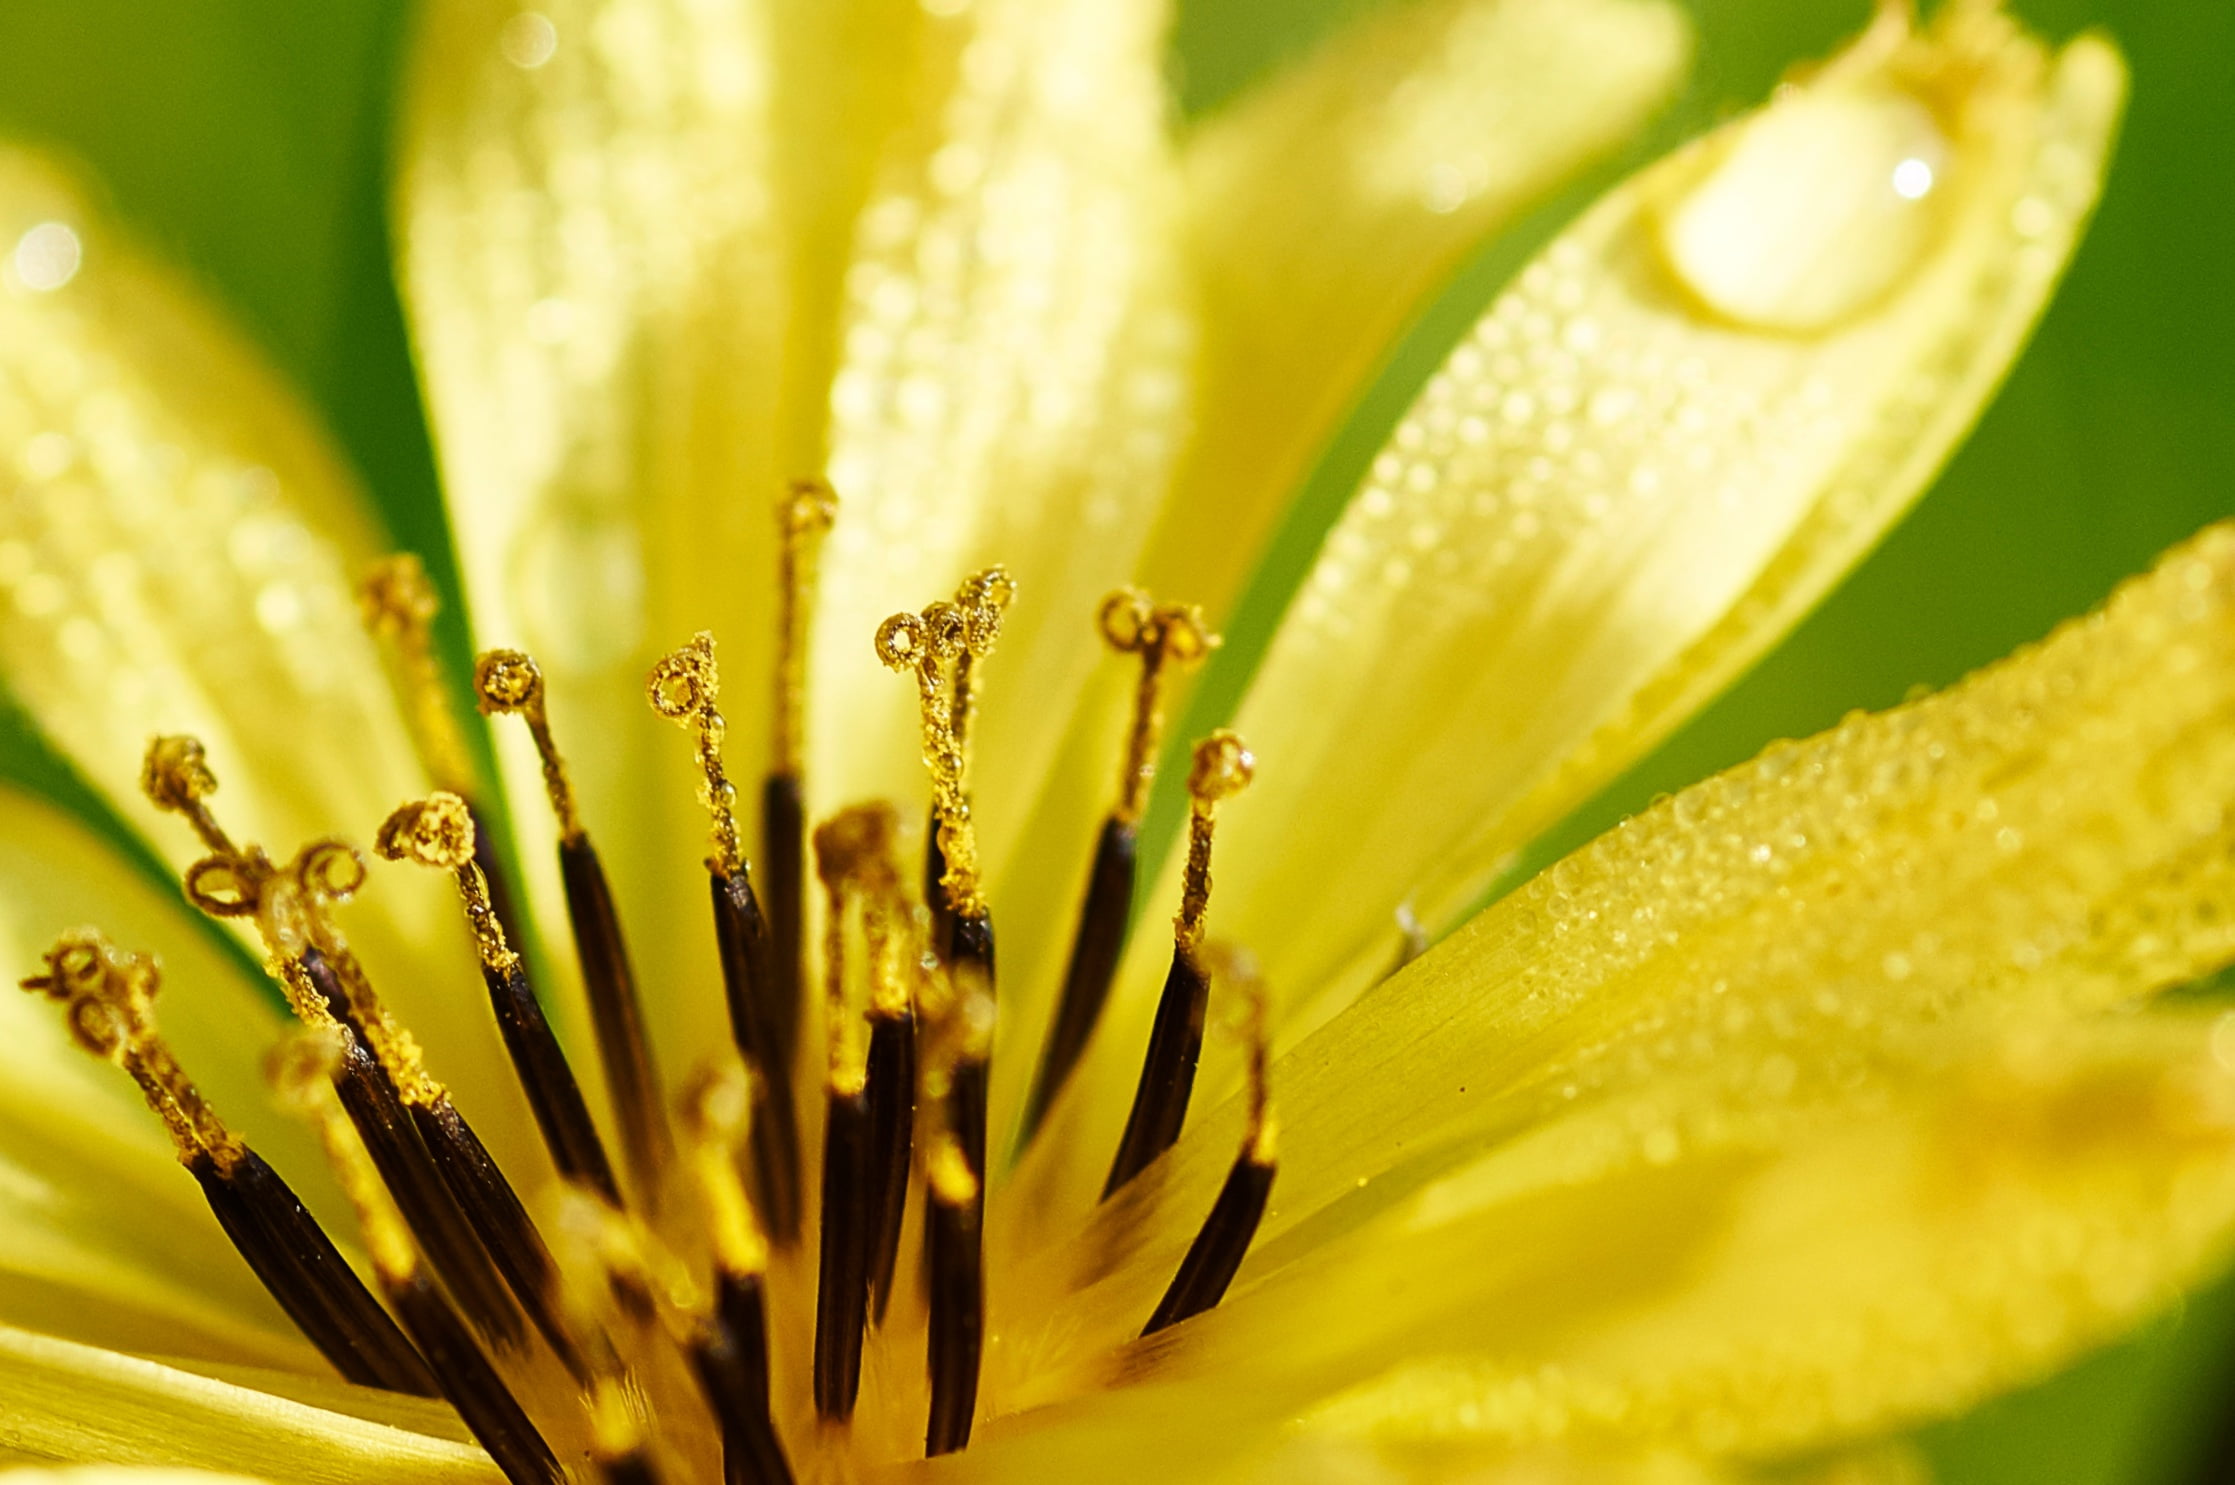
{"x": 1223, "y": 768}
{"x": 741, "y": 942}
{"x": 730, "y": 1357}
{"x": 616, "y": 1012}
{"x": 1168, "y": 1073}
{"x": 498, "y": 1218}
{"x": 842, "y": 1287}
{"x": 561, "y": 1114}
{"x": 473, "y": 1387}
{"x": 784, "y": 884}
{"x": 892, "y": 1128}
{"x": 1100, "y": 940}
{"x": 283, "y": 1243}
{"x": 634, "y": 1468}
{"x": 416, "y": 1182}
{"x": 1218, "y": 1249}
{"x": 954, "y": 1248}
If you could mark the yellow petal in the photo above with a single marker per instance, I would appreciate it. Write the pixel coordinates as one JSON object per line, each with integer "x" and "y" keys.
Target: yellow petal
{"x": 2051, "y": 834}
{"x": 1327, "y": 203}
{"x": 180, "y": 555}
{"x": 594, "y": 288}
{"x": 70, "y": 1402}
{"x": 1759, "y": 1277}
{"x": 1613, "y": 495}
{"x": 1013, "y": 380}
{"x": 95, "y": 1474}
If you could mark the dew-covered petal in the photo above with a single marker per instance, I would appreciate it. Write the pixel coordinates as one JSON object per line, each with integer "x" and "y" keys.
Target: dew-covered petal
{"x": 1325, "y": 204}
{"x": 594, "y": 285}
{"x": 107, "y": 1240}
{"x": 1750, "y": 1275}
{"x": 1615, "y": 492}
{"x": 2051, "y": 835}
{"x": 68, "y": 1402}
{"x": 179, "y": 547}
{"x": 1015, "y": 352}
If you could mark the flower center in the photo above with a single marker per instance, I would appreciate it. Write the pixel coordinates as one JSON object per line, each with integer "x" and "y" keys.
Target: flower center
{"x": 639, "y": 1332}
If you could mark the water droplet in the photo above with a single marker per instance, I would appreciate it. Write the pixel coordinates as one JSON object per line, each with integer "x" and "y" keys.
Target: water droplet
{"x": 528, "y": 40}
{"x": 1814, "y": 211}
{"x": 47, "y": 257}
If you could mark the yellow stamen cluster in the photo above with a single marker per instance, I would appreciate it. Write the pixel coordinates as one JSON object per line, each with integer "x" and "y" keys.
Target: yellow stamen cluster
{"x": 933, "y": 645}
{"x": 684, "y": 688}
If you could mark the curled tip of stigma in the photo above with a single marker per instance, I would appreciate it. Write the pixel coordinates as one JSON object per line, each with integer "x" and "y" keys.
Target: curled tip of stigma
{"x": 436, "y": 831}
{"x": 809, "y": 508}
{"x": 397, "y": 598}
{"x": 921, "y": 642}
{"x": 685, "y": 684}
{"x": 507, "y": 681}
{"x": 176, "y": 775}
{"x": 104, "y": 990}
{"x": 1133, "y": 623}
{"x": 1224, "y": 767}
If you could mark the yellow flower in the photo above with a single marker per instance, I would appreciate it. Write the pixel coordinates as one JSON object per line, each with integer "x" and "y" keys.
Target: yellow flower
{"x": 1813, "y": 1102}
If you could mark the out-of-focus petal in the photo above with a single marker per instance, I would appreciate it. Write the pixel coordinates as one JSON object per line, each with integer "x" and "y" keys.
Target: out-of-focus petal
{"x": 68, "y": 1402}
{"x": 178, "y": 553}
{"x": 1749, "y": 1276}
{"x": 1617, "y": 491}
{"x": 1012, "y": 382}
{"x": 594, "y": 284}
{"x": 2050, "y": 835}
{"x": 1328, "y": 202}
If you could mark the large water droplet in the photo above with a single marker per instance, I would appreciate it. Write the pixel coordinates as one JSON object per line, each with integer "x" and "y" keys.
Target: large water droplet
{"x": 1814, "y": 211}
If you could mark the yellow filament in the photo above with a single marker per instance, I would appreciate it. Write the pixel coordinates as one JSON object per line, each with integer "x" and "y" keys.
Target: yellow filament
{"x": 982, "y": 599}
{"x": 1237, "y": 967}
{"x": 930, "y": 644}
{"x": 1162, "y": 635}
{"x": 438, "y": 831}
{"x": 1223, "y": 768}
{"x": 684, "y": 688}
{"x": 510, "y": 681}
{"x": 302, "y": 1069}
{"x": 947, "y": 1169}
{"x": 399, "y": 605}
{"x": 108, "y": 1000}
{"x": 857, "y": 863}
{"x": 803, "y": 518}
{"x": 615, "y": 1430}
{"x": 717, "y": 1116}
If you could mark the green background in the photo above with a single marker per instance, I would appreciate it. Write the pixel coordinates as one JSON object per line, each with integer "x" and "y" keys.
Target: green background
{"x": 246, "y": 139}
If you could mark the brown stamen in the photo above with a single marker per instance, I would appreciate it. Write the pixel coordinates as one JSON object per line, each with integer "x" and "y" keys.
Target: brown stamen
{"x": 1223, "y": 768}
{"x": 1163, "y": 636}
{"x": 685, "y": 687}
{"x": 509, "y": 681}
{"x": 439, "y": 832}
{"x": 1217, "y": 1252}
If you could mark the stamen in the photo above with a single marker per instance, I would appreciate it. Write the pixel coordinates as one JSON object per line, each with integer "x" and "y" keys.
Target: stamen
{"x": 730, "y": 1354}
{"x": 237, "y": 882}
{"x": 439, "y": 832}
{"x": 304, "y": 1071}
{"x": 685, "y": 687}
{"x": 803, "y": 517}
{"x": 960, "y": 1037}
{"x": 108, "y": 998}
{"x": 1162, "y": 636}
{"x": 854, "y": 858}
{"x": 508, "y": 681}
{"x": 1223, "y": 768}
{"x": 399, "y": 604}
{"x": 1217, "y": 1252}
